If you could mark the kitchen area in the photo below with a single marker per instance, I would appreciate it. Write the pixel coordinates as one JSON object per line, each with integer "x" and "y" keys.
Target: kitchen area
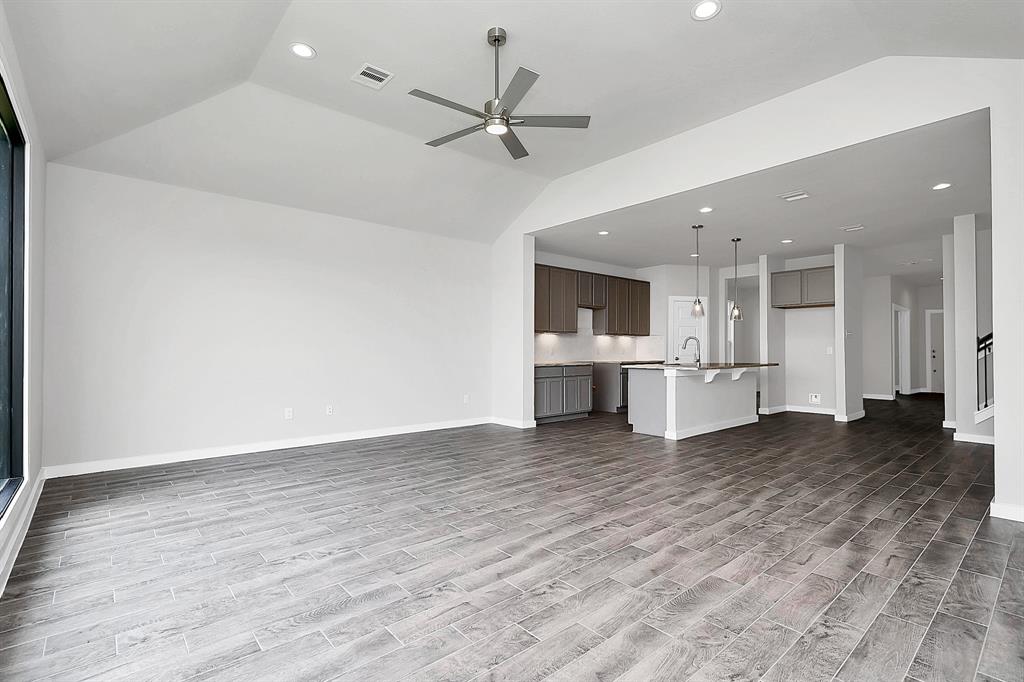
{"x": 611, "y": 346}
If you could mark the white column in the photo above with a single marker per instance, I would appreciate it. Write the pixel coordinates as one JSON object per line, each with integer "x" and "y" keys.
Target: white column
{"x": 849, "y": 313}
{"x": 773, "y": 339}
{"x": 1007, "y": 147}
{"x": 966, "y": 333}
{"x": 948, "y": 333}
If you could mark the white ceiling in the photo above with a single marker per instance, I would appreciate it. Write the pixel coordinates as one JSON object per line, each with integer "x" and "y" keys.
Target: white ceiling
{"x": 884, "y": 184}
{"x": 644, "y": 71}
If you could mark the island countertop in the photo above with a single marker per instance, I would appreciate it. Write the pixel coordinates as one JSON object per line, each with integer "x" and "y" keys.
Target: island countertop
{"x": 707, "y": 366}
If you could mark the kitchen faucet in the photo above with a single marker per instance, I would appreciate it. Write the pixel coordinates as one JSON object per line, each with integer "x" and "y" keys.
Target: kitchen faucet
{"x": 687, "y": 341}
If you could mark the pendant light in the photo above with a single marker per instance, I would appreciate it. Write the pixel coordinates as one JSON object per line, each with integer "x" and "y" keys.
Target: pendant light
{"x": 736, "y": 314}
{"x": 698, "y": 307}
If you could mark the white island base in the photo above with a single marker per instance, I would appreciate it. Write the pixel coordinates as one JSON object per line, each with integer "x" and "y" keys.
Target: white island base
{"x": 679, "y": 402}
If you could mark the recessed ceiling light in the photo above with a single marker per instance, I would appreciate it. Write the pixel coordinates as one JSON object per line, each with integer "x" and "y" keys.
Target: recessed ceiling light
{"x": 603, "y": 233}
{"x": 942, "y": 185}
{"x": 707, "y": 209}
{"x": 786, "y": 241}
{"x": 706, "y": 9}
{"x": 795, "y": 195}
{"x": 302, "y": 50}
{"x": 941, "y": 278}
{"x": 852, "y": 228}
{"x": 694, "y": 255}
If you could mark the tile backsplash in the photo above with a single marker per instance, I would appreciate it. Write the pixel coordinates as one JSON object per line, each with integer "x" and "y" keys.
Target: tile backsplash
{"x": 585, "y": 346}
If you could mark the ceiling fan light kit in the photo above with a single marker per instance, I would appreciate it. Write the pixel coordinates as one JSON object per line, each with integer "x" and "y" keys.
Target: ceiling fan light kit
{"x": 497, "y": 115}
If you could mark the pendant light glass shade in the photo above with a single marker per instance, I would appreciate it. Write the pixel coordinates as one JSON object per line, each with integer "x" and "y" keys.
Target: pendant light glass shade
{"x": 698, "y": 307}
{"x": 736, "y": 314}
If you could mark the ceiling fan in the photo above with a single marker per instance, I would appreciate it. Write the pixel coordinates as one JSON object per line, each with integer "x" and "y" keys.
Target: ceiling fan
{"x": 498, "y": 117}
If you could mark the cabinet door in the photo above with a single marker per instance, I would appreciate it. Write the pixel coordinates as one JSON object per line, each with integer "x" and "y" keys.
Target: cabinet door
{"x": 819, "y": 286}
{"x": 786, "y": 288}
{"x": 558, "y": 282}
{"x": 541, "y": 400}
{"x": 586, "y": 289}
{"x": 600, "y": 291}
{"x": 639, "y": 308}
{"x": 556, "y": 396}
{"x": 572, "y": 394}
{"x": 585, "y": 386}
{"x": 570, "y": 301}
{"x": 618, "y": 305}
{"x": 541, "y": 298}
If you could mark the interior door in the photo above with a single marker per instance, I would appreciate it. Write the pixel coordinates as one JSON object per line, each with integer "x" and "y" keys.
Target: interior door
{"x": 684, "y": 325}
{"x": 935, "y": 353}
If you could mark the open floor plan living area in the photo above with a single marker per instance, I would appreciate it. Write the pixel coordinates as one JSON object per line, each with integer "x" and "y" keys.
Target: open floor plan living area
{"x": 381, "y": 340}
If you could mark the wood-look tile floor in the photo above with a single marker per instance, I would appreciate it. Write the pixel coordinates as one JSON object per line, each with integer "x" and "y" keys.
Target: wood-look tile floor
{"x": 794, "y": 549}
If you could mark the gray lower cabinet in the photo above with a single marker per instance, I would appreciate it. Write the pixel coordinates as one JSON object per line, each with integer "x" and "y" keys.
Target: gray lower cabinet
{"x": 562, "y": 392}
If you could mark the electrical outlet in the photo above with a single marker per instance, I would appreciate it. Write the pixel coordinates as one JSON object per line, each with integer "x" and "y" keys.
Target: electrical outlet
{"x": 329, "y": 410}
{"x": 814, "y": 398}
{"x": 828, "y": 351}
{"x": 465, "y": 399}
{"x": 289, "y": 413}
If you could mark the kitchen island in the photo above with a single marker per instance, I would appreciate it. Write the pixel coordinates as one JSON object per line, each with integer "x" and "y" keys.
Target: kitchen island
{"x": 680, "y": 401}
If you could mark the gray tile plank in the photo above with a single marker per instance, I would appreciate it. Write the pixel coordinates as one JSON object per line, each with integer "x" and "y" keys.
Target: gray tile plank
{"x": 884, "y": 653}
{"x": 544, "y": 658}
{"x": 817, "y": 654}
{"x": 1003, "y": 656}
{"x": 949, "y": 651}
{"x": 750, "y": 655}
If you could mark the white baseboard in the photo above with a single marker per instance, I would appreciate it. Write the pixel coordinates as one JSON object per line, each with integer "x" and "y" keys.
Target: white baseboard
{"x": 708, "y": 428}
{"x": 1013, "y": 512}
{"x": 852, "y": 417}
{"x": 771, "y": 410}
{"x": 809, "y": 409}
{"x": 514, "y": 423}
{"x": 974, "y": 438}
{"x": 985, "y": 414}
{"x": 879, "y": 396}
{"x": 948, "y": 424}
{"x": 914, "y": 390}
{"x": 96, "y": 466}
{"x": 15, "y": 525}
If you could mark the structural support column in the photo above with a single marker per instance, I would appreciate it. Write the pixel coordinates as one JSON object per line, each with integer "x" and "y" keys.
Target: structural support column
{"x": 948, "y": 333}
{"x": 849, "y": 313}
{"x": 966, "y": 332}
{"x": 773, "y": 339}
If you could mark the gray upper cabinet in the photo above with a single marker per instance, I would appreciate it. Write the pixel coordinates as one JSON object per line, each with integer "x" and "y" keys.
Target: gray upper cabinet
{"x": 786, "y": 288}
{"x": 621, "y": 306}
{"x": 811, "y": 288}
{"x": 819, "y": 286}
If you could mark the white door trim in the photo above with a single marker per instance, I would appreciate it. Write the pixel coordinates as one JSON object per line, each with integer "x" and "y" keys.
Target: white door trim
{"x": 903, "y": 350}
{"x": 928, "y": 312}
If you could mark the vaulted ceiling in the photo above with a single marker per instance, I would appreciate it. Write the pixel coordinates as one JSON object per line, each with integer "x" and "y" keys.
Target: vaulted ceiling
{"x": 207, "y": 95}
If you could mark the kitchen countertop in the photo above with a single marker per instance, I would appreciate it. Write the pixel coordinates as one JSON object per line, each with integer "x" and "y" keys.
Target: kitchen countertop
{"x": 706, "y": 366}
{"x": 562, "y": 364}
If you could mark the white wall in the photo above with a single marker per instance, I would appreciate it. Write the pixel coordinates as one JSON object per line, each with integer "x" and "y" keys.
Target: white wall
{"x": 877, "y": 336}
{"x": 928, "y": 298}
{"x": 182, "y": 320}
{"x": 674, "y": 280}
{"x": 948, "y": 332}
{"x": 18, "y": 514}
{"x": 747, "y": 330}
{"x": 810, "y": 332}
{"x": 965, "y": 299}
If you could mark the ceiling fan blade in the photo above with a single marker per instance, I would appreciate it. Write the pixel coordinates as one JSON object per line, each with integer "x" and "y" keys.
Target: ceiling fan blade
{"x": 446, "y": 103}
{"x": 517, "y": 88}
{"x": 456, "y": 135}
{"x": 513, "y": 145}
{"x": 552, "y": 121}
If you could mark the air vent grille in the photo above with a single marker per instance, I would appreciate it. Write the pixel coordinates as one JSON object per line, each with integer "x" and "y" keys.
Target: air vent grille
{"x": 795, "y": 195}
{"x": 372, "y": 76}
